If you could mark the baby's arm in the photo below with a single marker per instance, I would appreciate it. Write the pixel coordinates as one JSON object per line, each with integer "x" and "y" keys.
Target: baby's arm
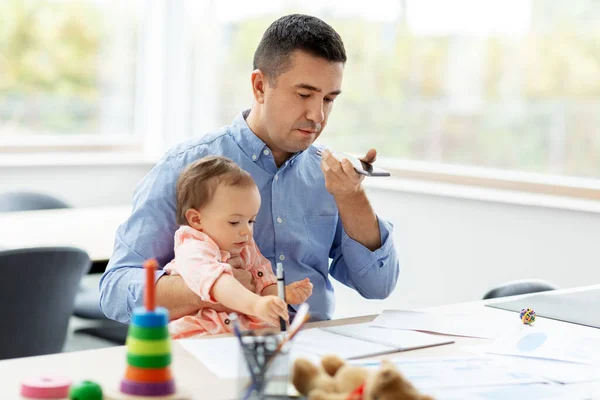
{"x": 199, "y": 264}
{"x": 230, "y": 293}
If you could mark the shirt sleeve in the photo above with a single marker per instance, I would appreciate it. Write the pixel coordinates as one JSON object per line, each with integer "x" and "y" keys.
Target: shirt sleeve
{"x": 199, "y": 264}
{"x": 147, "y": 233}
{"x": 371, "y": 273}
{"x": 260, "y": 267}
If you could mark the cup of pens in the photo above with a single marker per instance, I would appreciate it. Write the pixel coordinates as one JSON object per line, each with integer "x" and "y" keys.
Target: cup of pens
{"x": 264, "y": 362}
{"x": 263, "y": 366}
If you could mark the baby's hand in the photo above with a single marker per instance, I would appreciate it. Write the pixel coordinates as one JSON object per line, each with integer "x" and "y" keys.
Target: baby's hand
{"x": 270, "y": 308}
{"x": 298, "y": 292}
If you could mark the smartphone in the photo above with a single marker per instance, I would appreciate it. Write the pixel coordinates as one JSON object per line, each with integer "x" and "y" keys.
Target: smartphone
{"x": 363, "y": 168}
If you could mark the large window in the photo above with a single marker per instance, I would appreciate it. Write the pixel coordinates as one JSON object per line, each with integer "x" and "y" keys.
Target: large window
{"x": 67, "y": 69}
{"x": 505, "y": 84}
{"x": 511, "y": 84}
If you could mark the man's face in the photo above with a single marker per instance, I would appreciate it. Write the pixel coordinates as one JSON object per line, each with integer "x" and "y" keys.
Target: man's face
{"x": 297, "y": 104}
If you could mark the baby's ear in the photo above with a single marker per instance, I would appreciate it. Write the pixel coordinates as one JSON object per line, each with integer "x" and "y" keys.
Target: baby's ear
{"x": 194, "y": 218}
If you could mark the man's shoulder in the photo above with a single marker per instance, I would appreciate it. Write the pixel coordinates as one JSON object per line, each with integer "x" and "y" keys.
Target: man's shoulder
{"x": 210, "y": 143}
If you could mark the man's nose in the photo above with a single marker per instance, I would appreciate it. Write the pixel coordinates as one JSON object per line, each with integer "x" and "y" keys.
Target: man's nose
{"x": 315, "y": 111}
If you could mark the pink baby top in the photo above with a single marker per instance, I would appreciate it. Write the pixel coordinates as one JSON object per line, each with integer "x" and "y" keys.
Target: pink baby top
{"x": 200, "y": 263}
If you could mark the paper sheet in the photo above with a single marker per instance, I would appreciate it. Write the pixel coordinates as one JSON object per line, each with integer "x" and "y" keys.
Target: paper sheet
{"x": 222, "y": 356}
{"x": 554, "y": 344}
{"x": 553, "y": 370}
{"x": 320, "y": 342}
{"x": 453, "y": 372}
{"x": 449, "y": 324}
{"x": 401, "y": 339}
{"x": 534, "y": 391}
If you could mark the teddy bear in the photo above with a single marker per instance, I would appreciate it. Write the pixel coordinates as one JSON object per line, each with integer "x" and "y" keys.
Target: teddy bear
{"x": 336, "y": 380}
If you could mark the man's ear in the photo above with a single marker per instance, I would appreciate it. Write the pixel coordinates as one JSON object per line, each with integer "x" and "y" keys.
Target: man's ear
{"x": 194, "y": 219}
{"x": 259, "y": 81}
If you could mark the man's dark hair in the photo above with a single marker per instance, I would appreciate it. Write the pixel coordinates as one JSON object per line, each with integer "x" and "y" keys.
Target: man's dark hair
{"x": 296, "y": 32}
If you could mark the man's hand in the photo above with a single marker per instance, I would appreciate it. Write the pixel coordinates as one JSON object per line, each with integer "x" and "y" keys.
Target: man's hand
{"x": 341, "y": 180}
{"x": 240, "y": 274}
{"x": 298, "y": 292}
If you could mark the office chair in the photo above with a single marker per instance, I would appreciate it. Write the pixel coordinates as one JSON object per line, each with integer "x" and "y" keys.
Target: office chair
{"x": 87, "y": 301}
{"x": 514, "y": 288}
{"x": 26, "y": 201}
{"x": 87, "y": 306}
{"x": 37, "y": 292}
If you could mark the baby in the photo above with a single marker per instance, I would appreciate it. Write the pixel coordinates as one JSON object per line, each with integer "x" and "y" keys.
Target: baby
{"x": 217, "y": 204}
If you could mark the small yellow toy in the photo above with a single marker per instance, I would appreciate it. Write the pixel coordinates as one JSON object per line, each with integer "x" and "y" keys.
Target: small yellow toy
{"x": 527, "y": 316}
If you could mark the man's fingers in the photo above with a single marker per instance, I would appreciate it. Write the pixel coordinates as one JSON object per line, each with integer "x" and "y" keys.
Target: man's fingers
{"x": 351, "y": 174}
{"x": 371, "y": 156}
{"x": 331, "y": 164}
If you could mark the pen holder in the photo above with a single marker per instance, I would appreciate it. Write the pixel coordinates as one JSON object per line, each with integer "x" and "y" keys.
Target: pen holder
{"x": 263, "y": 371}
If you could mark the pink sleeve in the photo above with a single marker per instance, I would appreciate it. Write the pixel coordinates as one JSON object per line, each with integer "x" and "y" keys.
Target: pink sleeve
{"x": 260, "y": 267}
{"x": 199, "y": 264}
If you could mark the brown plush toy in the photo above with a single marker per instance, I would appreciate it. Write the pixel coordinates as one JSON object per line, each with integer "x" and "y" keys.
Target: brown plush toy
{"x": 336, "y": 380}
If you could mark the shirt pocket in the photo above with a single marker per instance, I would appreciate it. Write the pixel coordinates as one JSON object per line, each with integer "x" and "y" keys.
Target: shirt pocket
{"x": 320, "y": 231}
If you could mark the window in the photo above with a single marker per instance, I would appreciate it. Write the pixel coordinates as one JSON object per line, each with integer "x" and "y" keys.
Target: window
{"x": 67, "y": 71}
{"x": 510, "y": 85}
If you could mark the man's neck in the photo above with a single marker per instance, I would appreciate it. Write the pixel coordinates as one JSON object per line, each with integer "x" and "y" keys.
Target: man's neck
{"x": 253, "y": 122}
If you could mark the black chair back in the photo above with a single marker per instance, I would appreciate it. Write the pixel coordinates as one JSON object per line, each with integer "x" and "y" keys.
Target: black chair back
{"x": 37, "y": 292}
{"x": 519, "y": 287}
{"x": 26, "y": 201}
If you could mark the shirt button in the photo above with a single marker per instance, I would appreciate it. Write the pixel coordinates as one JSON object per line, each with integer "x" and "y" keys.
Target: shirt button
{"x": 254, "y": 157}
{"x": 279, "y": 220}
{"x": 276, "y": 177}
{"x": 266, "y": 152}
{"x": 227, "y": 321}
{"x": 282, "y": 257}
{"x": 260, "y": 274}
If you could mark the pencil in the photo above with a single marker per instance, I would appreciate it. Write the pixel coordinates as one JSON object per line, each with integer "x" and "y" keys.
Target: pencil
{"x": 281, "y": 293}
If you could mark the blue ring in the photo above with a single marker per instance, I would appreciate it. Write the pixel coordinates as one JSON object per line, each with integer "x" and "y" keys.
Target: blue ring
{"x": 150, "y": 319}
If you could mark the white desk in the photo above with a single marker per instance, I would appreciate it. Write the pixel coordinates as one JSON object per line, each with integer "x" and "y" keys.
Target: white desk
{"x": 106, "y": 366}
{"x": 91, "y": 229}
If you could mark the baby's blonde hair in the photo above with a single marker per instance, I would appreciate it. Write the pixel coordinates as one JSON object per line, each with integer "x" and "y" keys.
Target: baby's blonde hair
{"x": 198, "y": 182}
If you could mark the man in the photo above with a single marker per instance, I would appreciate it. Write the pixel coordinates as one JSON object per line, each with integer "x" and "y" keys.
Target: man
{"x": 312, "y": 208}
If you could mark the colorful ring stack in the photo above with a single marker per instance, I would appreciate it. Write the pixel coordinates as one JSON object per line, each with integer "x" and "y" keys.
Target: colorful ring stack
{"x": 148, "y": 370}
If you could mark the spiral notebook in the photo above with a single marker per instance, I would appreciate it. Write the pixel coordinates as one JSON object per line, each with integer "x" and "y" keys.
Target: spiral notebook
{"x": 363, "y": 340}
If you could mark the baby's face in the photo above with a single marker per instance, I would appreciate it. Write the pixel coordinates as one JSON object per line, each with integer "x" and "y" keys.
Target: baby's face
{"x": 229, "y": 218}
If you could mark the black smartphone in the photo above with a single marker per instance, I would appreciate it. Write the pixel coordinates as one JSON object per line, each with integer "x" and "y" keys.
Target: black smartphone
{"x": 360, "y": 166}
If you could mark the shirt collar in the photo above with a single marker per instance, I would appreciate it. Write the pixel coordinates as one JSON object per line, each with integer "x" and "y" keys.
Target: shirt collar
{"x": 250, "y": 144}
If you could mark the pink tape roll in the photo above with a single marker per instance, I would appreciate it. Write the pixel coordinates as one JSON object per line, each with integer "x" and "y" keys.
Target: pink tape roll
{"x": 46, "y": 387}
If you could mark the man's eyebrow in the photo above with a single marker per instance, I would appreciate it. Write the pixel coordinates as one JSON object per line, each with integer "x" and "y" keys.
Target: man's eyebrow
{"x": 316, "y": 89}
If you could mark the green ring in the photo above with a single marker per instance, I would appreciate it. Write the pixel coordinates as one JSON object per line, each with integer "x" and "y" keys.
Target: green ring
{"x": 143, "y": 333}
{"x": 161, "y": 361}
{"x": 148, "y": 347}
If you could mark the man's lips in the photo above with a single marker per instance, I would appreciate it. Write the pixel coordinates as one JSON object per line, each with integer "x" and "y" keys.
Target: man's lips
{"x": 307, "y": 132}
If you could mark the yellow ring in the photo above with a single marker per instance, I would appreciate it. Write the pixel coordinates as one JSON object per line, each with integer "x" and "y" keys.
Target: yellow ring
{"x": 142, "y": 347}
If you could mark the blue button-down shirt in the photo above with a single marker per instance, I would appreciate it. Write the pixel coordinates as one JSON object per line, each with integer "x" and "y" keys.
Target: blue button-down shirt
{"x": 298, "y": 224}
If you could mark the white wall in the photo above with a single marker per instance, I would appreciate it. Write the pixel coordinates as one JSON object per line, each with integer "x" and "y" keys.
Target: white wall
{"x": 451, "y": 249}
{"x": 82, "y": 186}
